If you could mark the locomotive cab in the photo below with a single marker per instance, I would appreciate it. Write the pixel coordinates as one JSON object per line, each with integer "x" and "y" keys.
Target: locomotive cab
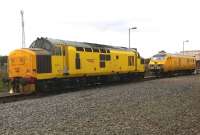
{"x": 22, "y": 70}
{"x": 157, "y": 63}
{"x": 24, "y": 66}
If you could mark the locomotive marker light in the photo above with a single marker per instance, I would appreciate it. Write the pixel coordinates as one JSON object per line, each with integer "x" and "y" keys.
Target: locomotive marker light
{"x": 129, "y": 34}
{"x": 184, "y": 44}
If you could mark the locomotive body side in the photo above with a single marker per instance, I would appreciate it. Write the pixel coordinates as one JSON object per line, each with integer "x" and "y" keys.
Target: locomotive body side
{"x": 66, "y": 64}
{"x": 180, "y": 63}
{"x": 83, "y": 63}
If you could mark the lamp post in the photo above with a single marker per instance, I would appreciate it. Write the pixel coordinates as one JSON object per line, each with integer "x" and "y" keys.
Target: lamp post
{"x": 129, "y": 34}
{"x": 185, "y": 41}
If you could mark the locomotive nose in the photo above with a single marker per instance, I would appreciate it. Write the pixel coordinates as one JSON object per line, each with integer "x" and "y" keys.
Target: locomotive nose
{"x": 157, "y": 66}
{"x": 20, "y": 64}
{"x": 21, "y": 68}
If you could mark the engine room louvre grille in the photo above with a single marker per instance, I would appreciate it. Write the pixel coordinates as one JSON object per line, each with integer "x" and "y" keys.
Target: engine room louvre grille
{"x": 44, "y": 64}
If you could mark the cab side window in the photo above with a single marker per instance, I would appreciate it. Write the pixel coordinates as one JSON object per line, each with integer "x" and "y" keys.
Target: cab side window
{"x": 130, "y": 60}
{"x": 57, "y": 51}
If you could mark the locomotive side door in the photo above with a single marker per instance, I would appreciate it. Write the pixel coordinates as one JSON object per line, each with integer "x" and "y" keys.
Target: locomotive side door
{"x": 57, "y": 60}
{"x": 65, "y": 59}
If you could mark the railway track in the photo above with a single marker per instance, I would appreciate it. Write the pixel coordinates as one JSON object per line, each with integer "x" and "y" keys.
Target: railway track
{"x": 7, "y": 98}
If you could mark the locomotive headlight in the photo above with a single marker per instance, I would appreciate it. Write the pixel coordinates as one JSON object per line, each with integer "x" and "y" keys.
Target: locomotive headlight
{"x": 151, "y": 66}
{"x": 160, "y": 66}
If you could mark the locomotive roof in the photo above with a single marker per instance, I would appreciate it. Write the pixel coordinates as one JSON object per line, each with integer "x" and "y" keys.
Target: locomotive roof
{"x": 175, "y": 55}
{"x": 49, "y": 43}
{"x": 181, "y": 55}
{"x": 39, "y": 51}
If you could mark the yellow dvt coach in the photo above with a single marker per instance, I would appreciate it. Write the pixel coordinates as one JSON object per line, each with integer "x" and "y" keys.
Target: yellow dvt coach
{"x": 50, "y": 63}
{"x": 166, "y": 64}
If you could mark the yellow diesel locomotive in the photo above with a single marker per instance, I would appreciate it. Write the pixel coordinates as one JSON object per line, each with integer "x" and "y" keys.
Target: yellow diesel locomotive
{"x": 50, "y": 63}
{"x": 168, "y": 64}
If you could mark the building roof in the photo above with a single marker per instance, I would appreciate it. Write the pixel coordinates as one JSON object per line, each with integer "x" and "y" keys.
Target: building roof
{"x": 195, "y": 53}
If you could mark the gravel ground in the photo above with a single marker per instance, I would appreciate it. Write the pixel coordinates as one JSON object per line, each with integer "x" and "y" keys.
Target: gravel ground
{"x": 163, "y": 106}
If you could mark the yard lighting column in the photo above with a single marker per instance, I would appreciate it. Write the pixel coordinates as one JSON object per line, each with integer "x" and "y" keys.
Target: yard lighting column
{"x": 129, "y": 34}
{"x": 184, "y": 44}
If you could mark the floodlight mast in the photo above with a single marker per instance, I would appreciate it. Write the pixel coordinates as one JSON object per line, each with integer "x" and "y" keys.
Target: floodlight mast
{"x": 23, "y": 32}
{"x": 129, "y": 36}
{"x": 185, "y": 41}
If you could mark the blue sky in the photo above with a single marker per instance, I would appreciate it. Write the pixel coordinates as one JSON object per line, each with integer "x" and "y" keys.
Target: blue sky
{"x": 162, "y": 24}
